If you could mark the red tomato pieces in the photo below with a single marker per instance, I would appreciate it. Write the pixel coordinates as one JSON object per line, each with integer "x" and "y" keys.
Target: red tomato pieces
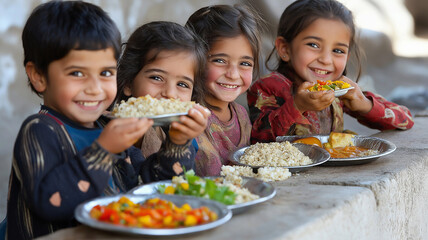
{"x": 154, "y": 213}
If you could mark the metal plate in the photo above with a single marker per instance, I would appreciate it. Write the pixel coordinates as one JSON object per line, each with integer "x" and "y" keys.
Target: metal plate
{"x": 159, "y": 120}
{"x": 316, "y": 154}
{"x": 264, "y": 190}
{"x": 341, "y": 92}
{"x": 383, "y": 146}
{"x": 224, "y": 214}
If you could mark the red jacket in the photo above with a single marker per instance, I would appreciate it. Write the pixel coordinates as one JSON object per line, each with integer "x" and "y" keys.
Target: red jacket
{"x": 273, "y": 113}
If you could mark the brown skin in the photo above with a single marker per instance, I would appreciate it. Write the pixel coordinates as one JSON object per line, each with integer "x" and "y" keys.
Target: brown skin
{"x": 312, "y": 101}
{"x": 120, "y": 134}
{"x": 189, "y": 126}
{"x": 354, "y": 99}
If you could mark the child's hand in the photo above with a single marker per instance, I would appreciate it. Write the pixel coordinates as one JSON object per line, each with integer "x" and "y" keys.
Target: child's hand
{"x": 354, "y": 99}
{"x": 312, "y": 101}
{"x": 189, "y": 126}
{"x": 120, "y": 134}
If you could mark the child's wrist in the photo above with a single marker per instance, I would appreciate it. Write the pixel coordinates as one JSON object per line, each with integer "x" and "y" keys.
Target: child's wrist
{"x": 366, "y": 107}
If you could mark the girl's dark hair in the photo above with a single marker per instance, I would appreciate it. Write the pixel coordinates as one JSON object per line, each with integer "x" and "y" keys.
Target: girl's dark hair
{"x": 54, "y": 28}
{"x": 144, "y": 45}
{"x": 300, "y": 14}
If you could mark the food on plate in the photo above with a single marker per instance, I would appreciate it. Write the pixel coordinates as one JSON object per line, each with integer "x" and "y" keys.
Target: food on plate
{"x": 147, "y": 106}
{"x": 329, "y": 85}
{"x": 310, "y": 141}
{"x": 350, "y": 151}
{"x": 218, "y": 189}
{"x": 266, "y": 174}
{"x": 337, "y": 140}
{"x": 153, "y": 213}
{"x": 341, "y": 145}
{"x": 274, "y": 154}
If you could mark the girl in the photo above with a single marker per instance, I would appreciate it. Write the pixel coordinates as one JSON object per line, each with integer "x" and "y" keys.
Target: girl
{"x": 165, "y": 60}
{"x": 315, "y": 38}
{"x": 232, "y": 37}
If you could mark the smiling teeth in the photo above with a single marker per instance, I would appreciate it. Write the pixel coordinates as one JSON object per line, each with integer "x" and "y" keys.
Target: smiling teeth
{"x": 88, "y": 104}
{"x": 228, "y": 86}
{"x": 320, "y": 71}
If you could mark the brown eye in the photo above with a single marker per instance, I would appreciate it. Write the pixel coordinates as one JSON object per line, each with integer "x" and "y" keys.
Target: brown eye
{"x": 106, "y": 73}
{"x": 76, "y": 74}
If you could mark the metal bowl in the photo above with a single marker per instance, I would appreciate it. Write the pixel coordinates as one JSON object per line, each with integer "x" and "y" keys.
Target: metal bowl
{"x": 158, "y": 120}
{"x": 264, "y": 190}
{"x": 383, "y": 146}
{"x": 224, "y": 214}
{"x": 315, "y": 153}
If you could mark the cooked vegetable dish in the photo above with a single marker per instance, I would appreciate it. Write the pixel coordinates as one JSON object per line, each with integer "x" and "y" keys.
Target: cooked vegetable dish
{"x": 153, "y": 213}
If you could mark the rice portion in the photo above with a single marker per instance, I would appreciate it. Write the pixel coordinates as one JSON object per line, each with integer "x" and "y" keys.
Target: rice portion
{"x": 242, "y": 194}
{"x": 268, "y": 174}
{"x": 147, "y": 106}
{"x": 369, "y": 152}
{"x": 274, "y": 154}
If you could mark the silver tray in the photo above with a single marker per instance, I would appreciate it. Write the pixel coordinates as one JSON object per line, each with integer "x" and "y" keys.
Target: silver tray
{"x": 159, "y": 120}
{"x": 316, "y": 154}
{"x": 383, "y": 146}
{"x": 341, "y": 92}
{"x": 264, "y": 190}
{"x": 224, "y": 214}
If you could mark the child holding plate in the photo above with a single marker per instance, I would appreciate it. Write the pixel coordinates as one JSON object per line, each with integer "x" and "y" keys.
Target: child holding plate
{"x": 314, "y": 42}
{"x": 165, "y": 61}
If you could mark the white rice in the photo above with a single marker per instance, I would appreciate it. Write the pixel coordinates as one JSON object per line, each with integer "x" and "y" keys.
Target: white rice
{"x": 147, "y": 106}
{"x": 267, "y": 174}
{"x": 274, "y": 154}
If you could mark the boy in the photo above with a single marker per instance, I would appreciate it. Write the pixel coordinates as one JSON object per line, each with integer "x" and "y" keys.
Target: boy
{"x": 62, "y": 155}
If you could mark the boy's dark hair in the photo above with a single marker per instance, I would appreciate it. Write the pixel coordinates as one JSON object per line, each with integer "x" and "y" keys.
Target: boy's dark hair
{"x": 54, "y": 28}
{"x": 300, "y": 14}
{"x": 225, "y": 21}
{"x": 145, "y": 44}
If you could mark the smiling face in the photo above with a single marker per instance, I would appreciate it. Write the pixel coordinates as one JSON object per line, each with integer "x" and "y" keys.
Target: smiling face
{"x": 81, "y": 85}
{"x": 229, "y": 70}
{"x": 170, "y": 75}
{"x": 319, "y": 52}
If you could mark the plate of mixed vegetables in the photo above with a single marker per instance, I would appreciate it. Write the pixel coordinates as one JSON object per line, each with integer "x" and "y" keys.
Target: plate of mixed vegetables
{"x": 340, "y": 88}
{"x": 153, "y": 215}
{"x": 237, "y": 196}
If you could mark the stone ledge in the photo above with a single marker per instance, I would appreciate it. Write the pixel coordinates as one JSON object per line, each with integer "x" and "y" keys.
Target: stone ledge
{"x": 385, "y": 199}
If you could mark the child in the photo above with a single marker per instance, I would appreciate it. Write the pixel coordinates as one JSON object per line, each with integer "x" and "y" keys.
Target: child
{"x": 165, "y": 60}
{"x": 315, "y": 39}
{"x": 233, "y": 42}
{"x": 62, "y": 157}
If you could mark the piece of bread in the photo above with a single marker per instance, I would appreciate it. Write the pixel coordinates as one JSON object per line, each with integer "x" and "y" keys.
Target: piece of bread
{"x": 336, "y": 140}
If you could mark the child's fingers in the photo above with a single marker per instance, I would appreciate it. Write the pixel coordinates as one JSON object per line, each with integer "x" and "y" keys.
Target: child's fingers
{"x": 189, "y": 124}
{"x": 204, "y": 111}
{"x": 199, "y": 115}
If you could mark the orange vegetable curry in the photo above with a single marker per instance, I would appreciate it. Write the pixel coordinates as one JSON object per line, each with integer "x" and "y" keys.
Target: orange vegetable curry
{"x": 337, "y": 152}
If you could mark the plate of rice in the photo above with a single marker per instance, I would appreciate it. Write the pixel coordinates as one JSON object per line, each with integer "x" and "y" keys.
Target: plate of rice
{"x": 248, "y": 191}
{"x": 162, "y": 111}
{"x": 296, "y": 157}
